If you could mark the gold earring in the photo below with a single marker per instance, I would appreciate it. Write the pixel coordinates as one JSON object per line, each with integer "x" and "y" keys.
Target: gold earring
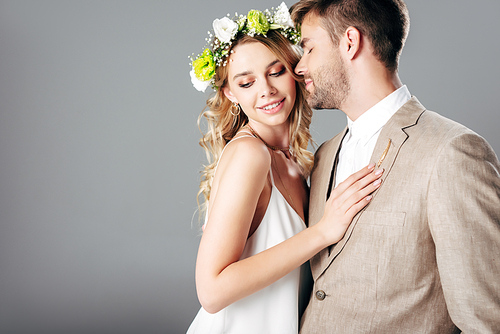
{"x": 238, "y": 109}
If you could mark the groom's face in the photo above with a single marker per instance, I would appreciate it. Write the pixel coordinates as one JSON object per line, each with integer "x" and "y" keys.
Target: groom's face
{"x": 322, "y": 66}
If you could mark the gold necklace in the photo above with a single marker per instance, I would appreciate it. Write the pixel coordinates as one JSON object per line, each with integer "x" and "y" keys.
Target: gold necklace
{"x": 273, "y": 149}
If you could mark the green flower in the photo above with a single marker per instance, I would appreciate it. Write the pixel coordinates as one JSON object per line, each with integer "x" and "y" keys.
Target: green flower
{"x": 257, "y": 22}
{"x": 204, "y": 66}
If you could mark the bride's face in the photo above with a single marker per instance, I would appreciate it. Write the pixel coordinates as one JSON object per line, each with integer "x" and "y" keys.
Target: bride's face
{"x": 261, "y": 84}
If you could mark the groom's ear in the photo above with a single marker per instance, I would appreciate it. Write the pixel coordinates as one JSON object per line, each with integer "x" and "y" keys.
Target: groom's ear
{"x": 352, "y": 40}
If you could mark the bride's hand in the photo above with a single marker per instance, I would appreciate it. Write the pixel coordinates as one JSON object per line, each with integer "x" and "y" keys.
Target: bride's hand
{"x": 347, "y": 199}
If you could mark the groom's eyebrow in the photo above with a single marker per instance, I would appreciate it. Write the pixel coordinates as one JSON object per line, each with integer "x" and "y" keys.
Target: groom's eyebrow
{"x": 303, "y": 42}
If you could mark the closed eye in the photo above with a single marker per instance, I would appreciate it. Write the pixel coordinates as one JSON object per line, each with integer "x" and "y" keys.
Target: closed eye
{"x": 277, "y": 74}
{"x": 246, "y": 85}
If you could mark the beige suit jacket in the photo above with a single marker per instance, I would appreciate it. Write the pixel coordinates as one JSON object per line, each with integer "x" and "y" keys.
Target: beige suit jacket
{"x": 424, "y": 255}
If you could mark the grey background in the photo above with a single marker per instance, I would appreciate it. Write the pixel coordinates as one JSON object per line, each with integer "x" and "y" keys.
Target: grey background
{"x": 99, "y": 155}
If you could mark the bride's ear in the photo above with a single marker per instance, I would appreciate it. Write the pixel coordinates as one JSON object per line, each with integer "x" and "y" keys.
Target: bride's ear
{"x": 229, "y": 95}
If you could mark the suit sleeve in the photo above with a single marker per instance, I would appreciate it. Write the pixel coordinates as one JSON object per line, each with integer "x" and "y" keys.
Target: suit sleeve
{"x": 464, "y": 219}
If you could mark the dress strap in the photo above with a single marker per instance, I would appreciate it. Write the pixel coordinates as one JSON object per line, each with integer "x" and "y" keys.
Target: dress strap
{"x": 271, "y": 173}
{"x": 244, "y": 136}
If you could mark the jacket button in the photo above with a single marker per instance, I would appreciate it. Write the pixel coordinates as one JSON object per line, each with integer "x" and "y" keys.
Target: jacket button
{"x": 320, "y": 294}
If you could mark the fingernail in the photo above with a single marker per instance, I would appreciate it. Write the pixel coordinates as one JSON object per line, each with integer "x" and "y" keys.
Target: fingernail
{"x": 371, "y": 166}
{"x": 377, "y": 182}
{"x": 379, "y": 172}
{"x": 368, "y": 198}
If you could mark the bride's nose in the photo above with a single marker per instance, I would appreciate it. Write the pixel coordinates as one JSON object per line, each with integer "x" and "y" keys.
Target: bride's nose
{"x": 267, "y": 89}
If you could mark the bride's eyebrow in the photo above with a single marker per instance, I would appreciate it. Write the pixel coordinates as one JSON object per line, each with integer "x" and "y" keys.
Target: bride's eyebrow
{"x": 242, "y": 74}
{"x": 271, "y": 64}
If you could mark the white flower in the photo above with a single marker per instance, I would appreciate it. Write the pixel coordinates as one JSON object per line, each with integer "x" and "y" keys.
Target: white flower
{"x": 225, "y": 29}
{"x": 197, "y": 83}
{"x": 282, "y": 16}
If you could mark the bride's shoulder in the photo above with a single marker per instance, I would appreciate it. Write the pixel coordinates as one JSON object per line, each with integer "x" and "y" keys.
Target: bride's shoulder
{"x": 246, "y": 151}
{"x": 244, "y": 143}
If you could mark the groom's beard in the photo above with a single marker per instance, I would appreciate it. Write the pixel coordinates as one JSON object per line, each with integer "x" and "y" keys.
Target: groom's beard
{"x": 331, "y": 85}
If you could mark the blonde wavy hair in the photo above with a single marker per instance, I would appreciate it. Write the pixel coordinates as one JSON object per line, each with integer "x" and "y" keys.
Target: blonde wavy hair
{"x": 222, "y": 125}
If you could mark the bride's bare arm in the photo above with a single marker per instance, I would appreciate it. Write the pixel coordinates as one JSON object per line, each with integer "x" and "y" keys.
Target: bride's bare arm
{"x": 221, "y": 279}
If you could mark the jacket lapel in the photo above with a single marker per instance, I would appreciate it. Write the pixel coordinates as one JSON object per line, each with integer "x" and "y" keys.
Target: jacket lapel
{"x": 320, "y": 179}
{"x": 394, "y": 130}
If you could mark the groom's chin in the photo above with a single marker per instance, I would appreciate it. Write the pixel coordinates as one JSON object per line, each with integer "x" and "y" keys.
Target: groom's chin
{"x": 317, "y": 105}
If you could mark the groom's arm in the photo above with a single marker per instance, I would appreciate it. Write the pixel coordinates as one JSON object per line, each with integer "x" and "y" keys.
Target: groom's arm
{"x": 464, "y": 218}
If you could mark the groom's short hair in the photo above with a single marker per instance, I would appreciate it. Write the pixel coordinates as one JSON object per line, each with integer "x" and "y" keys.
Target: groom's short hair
{"x": 384, "y": 22}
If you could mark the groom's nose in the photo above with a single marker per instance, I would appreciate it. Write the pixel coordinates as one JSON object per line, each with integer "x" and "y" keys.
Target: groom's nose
{"x": 301, "y": 68}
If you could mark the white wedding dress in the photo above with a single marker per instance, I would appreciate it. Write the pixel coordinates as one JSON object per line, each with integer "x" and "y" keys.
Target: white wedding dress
{"x": 274, "y": 309}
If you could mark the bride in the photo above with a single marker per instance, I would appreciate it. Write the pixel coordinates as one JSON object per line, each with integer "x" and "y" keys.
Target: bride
{"x": 255, "y": 238}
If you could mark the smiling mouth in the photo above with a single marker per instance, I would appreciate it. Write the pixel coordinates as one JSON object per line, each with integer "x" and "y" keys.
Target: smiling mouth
{"x": 272, "y": 106}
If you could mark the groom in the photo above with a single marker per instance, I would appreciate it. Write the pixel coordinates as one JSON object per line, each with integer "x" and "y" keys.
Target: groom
{"x": 423, "y": 257}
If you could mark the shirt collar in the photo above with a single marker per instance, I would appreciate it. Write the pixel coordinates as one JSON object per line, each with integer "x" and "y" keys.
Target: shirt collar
{"x": 372, "y": 120}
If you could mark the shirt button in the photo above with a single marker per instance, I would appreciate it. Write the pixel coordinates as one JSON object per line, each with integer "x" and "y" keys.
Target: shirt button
{"x": 320, "y": 294}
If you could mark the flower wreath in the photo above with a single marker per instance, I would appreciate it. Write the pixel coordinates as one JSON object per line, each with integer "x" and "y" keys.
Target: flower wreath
{"x": 226, "y": 29}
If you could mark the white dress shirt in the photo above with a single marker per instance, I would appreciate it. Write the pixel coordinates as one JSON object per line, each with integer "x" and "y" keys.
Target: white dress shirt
{"x": 359, "y": 142}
